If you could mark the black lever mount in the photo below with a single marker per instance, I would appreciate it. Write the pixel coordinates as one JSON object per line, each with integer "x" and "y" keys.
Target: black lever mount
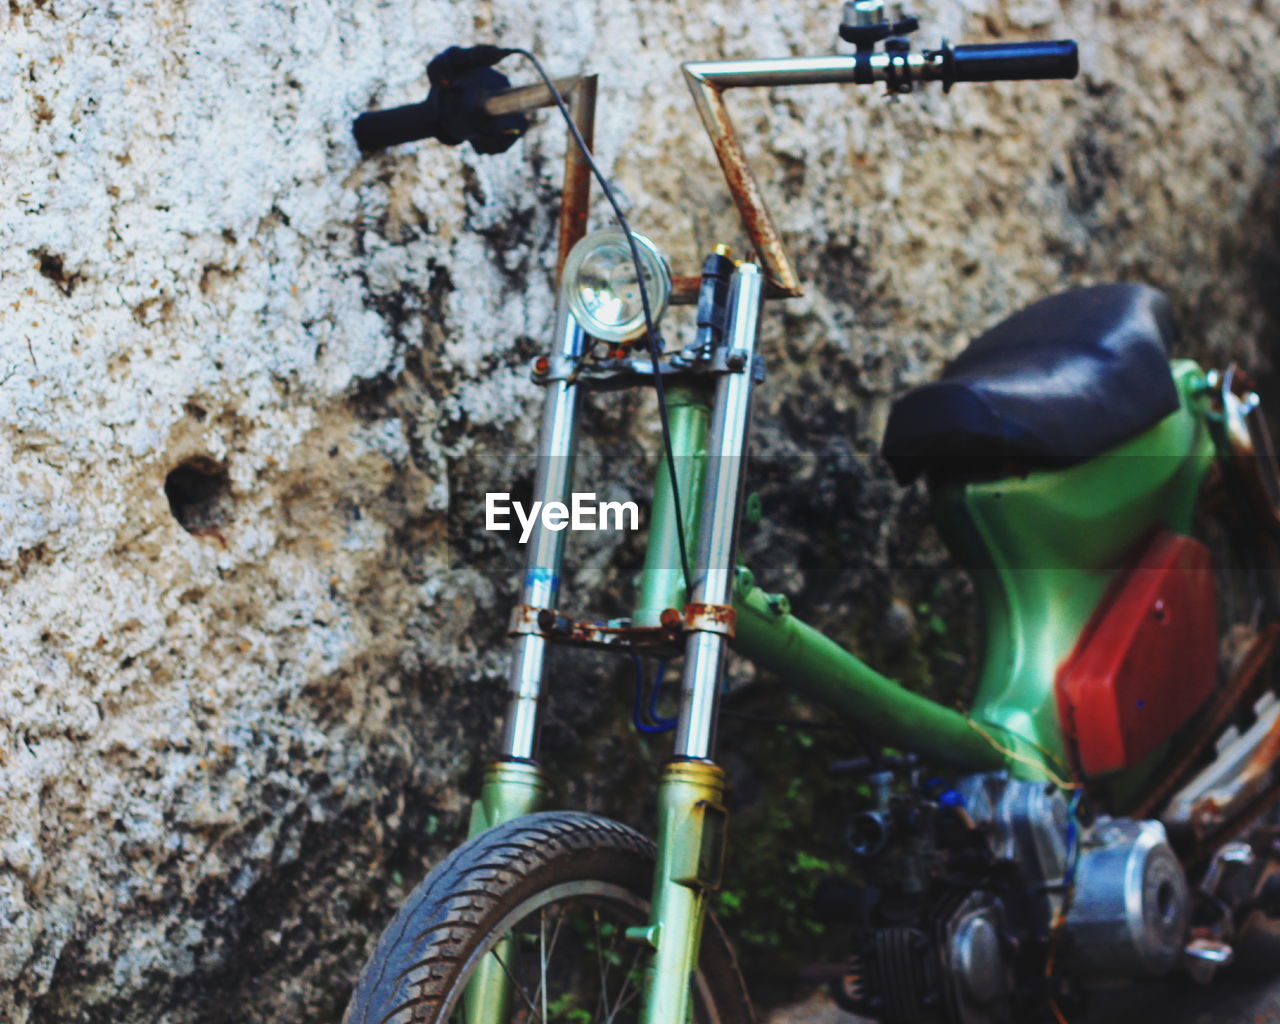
{"x": 867, "y": 35}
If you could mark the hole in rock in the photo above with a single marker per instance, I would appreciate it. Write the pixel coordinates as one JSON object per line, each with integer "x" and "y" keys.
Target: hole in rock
{"x": 52, "y": 266}
{"x": 199, "y": 495}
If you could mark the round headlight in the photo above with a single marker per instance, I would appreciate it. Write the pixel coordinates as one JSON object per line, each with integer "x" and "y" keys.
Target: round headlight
{"x": 602, "y": 290}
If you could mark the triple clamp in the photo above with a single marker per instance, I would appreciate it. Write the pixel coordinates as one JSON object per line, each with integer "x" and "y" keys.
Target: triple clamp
{"x": 710, "y": 618}
{"x": 526, "y": 619}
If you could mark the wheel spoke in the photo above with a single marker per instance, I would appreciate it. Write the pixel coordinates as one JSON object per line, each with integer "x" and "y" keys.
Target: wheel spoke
{"x": 606, "y": 969}
{"x": 603, "y": 1001}
{"x": 551, "y": 952}
{"x": 634, "y": 990}
{"x": 543, "y": 957}
{"x": 515, "y": 983}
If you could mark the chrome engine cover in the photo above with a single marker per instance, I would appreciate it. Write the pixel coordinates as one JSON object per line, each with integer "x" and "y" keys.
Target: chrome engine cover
{"x": 980, "y": 978}
{"x": 1131, "y": 905}
{"x": 970, "y": 945}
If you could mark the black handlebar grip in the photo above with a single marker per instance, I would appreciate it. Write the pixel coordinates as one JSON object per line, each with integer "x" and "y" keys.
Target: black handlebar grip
{"x": 1010, "y": 62}
{"x": 453, "y": 111}
{"x": 379, "y": 129}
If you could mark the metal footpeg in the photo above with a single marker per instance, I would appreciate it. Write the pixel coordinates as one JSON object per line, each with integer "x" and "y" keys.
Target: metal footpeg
{"x": 1203, "y": 958}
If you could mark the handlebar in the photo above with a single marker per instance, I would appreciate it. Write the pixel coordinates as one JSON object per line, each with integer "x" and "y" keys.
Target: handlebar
{"x": 378, "y": 129}
{"x": 454, "y": 111}
{"x": 1011, "y": 62}
{"x": 465, "y": 86}
{"x": 900, "y": 70}
{"x": 477, "y": 106}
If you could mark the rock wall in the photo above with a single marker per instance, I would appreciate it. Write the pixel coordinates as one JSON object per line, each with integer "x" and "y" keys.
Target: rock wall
{"x": 252, "y": 386}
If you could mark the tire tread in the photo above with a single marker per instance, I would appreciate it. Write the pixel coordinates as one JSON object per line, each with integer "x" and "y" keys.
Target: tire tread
{"x": 448, "y": 914}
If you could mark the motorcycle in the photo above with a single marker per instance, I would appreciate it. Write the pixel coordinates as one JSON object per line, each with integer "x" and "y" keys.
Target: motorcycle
{"x": 1104, "y": 809}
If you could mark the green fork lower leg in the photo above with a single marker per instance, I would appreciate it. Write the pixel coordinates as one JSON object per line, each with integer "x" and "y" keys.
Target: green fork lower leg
{"x": 691, "y": 831}
{"x": 511, "y": 789}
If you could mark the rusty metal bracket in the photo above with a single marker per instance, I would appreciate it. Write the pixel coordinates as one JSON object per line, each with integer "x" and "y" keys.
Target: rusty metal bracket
{"x": 524, "y": 620}
{"x": 613, "y": 373}
{"x": 707, "y": 83}
{"x": 620, "y": 636}
{"x": 1236, "y": 819}
{"x": 1214, "y": 719}
{"x": 1222, "y": 814}
{"x": 710, "y": 618}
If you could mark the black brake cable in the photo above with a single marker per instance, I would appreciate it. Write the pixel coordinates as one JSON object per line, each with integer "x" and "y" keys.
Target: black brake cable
{"x": 655, "y": 351}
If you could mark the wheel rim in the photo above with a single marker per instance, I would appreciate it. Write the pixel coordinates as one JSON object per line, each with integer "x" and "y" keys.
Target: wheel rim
{"x": 570, "y": 962}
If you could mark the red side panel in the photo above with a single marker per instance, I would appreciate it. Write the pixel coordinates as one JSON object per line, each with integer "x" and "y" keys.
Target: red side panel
{"x": 1146, "y": 661}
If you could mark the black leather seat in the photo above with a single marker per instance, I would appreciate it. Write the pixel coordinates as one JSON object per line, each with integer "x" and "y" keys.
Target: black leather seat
{"x": 1055, "y": 384}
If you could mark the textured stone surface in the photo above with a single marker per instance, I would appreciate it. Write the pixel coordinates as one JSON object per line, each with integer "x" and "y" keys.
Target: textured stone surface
{"x": 224, "y": 753}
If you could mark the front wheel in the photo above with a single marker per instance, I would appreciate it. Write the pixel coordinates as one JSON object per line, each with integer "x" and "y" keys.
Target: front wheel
{"x": 543, "y": 902}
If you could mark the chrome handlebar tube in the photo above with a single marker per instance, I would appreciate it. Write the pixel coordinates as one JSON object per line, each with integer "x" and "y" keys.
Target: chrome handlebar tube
{"x": 900, "y": 70}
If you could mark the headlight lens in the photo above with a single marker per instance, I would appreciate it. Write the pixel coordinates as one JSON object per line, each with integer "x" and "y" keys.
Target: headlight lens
{"x": 601, "y": 288}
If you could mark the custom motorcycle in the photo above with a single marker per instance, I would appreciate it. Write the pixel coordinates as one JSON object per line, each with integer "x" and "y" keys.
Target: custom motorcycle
{"x": 1102, "y": 811}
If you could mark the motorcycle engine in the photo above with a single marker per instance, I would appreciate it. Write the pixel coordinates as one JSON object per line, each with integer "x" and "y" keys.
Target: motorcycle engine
{"x": 965, "y": 902}
{"x": 1131, "y": 906}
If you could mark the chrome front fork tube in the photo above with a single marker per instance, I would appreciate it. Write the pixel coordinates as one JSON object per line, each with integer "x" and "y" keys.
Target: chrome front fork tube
{"x": 691, "y": 814}
{"x": 541, "y": 585}
{"x": 721, "y": 506}
{"x": 514, "y": 784}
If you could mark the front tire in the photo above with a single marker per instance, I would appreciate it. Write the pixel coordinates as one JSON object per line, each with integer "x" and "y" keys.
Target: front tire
{"x": 556, "y": 890}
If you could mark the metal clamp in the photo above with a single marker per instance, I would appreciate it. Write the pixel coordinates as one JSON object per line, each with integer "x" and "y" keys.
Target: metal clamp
{"x": 897, "y": 75}
{"x": 710, "y": 618}
{"x": 525, "y": 620}
{"x": 618, "y": 635}
{"x": 632, "y": 371}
